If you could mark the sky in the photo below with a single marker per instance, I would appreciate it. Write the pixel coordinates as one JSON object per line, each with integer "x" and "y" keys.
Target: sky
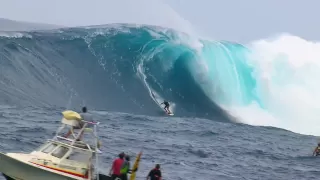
{"x": 234, "y": 20}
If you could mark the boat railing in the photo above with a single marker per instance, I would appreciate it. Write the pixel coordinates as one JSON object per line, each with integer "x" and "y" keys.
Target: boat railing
{"x": 74, "y": 141}
{"x": 75, "y": 144}
{"x": 92, "y": 122}
{"x": 77, "y": 135}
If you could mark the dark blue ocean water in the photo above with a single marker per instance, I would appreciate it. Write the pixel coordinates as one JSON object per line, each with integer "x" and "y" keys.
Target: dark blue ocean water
{"x": 120, "y": 73}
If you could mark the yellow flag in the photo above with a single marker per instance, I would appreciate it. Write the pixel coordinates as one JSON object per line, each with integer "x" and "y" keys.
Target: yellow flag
{"x": 135, "y": 166}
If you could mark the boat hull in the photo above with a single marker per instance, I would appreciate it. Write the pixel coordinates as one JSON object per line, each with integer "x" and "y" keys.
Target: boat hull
{"x": 101, "y": 177}
{"x": 7, "y": 177}
{"x": 18, "y": 170}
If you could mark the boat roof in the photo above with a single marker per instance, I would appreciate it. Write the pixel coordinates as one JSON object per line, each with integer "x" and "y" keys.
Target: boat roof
{"x": 78, "y": 145}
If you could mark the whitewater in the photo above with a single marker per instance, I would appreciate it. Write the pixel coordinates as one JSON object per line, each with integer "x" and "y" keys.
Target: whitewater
{"x": 284, "y": 78}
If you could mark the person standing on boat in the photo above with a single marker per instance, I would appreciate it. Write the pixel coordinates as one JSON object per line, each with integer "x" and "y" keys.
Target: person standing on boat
{"x": 125, "y": 169}
{"x": 115, "y": 170}
{"x": 85, "y": 116}
{"x": 155, "y": 174}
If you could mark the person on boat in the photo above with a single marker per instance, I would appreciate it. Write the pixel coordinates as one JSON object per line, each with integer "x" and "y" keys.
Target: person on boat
{"x": 125, "y": 168}
{"x": 116, "y": 167}
{"x": 166, "y": 106}
{"x": 155, "y": 174}
{"x": 316, "y": 151}
{"x": 85, "y": 116}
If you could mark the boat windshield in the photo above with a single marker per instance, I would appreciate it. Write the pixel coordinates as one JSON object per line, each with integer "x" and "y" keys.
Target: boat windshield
{"x": 49, "y": 148}
{"x": 60, "y": 152}
{"x": 80, "y": 156}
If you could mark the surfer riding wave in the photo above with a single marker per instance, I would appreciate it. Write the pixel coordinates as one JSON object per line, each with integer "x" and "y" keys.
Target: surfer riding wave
{"x": 166, "y": 106}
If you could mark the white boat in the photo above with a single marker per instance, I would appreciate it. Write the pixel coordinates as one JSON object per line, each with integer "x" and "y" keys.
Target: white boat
{"x": 59, "y": 158}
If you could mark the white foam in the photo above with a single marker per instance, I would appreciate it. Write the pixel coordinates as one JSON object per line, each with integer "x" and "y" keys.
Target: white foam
{"x": 287, "y": 69}
{"x": 9, "y": 34}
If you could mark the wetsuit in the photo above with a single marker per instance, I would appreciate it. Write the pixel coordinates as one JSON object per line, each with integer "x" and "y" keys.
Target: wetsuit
{"x": 155, "y": 174}
{"x": 166, "y": 105}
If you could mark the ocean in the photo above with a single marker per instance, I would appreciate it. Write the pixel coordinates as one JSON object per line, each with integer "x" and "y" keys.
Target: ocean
{"x": 242, "y": 111}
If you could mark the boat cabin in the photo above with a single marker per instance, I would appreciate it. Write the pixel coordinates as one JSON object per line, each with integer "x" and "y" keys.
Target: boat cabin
{"x": 66, "y": 151}
{"x": 65, "y": 158}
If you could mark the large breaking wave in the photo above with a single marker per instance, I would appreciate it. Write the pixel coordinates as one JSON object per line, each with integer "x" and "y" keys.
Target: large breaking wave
{"x": 132, "y": 68}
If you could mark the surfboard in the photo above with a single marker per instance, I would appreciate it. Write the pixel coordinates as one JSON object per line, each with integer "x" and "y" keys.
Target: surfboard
{"x": 170, "y": 114}
{"x": 71, "y": 115}
{"x": 135, "y": 166}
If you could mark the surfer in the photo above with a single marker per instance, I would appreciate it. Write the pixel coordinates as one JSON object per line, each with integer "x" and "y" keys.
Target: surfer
{"x": 166, "y": 106}
{"x": 155, "y": 174}
{"x": 316, "y": 151}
